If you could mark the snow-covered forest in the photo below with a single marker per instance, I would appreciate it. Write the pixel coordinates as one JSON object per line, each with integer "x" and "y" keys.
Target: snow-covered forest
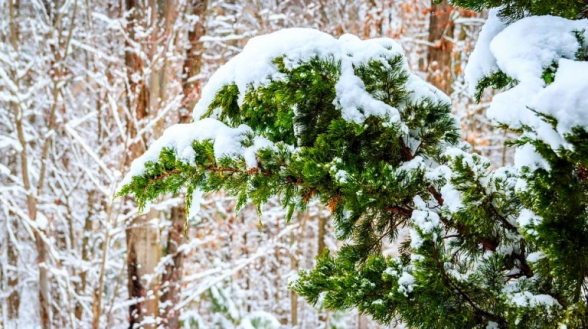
{"x": 88, "y": 86}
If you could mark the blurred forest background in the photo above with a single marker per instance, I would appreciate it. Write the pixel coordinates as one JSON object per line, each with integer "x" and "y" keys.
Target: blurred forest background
{"x": 87, "y": 85}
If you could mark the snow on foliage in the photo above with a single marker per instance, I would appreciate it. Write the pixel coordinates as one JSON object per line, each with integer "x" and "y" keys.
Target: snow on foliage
{"x": 83, "y": 69}
{"x": 528, "y": 51}
{"x": 527, "y": 299}
{"x": 386, "y": 156}
{"x": 482, "y": 62}
{"x": 228, "y": 142}
{"x": 255, "y": 67}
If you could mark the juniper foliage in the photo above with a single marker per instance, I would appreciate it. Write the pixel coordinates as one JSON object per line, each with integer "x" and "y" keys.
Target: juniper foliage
{"x": 484, "y": 247}
{"x": 512, "y": 10}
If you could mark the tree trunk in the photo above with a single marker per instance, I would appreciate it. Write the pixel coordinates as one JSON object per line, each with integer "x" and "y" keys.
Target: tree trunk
{"x": 362, "y": 321}
{"x": 439, "y": 55}
{"x": 44, "y": 302}
{"x": 143, "y": 254}
{"x": 12, "y": 279}
{"x": 322, "y": 231}
{"x": 172, "y": 279}
{"x": 143, "y": 242}
{"x": 85, "y": 255}
{"x": 193, "y": 63}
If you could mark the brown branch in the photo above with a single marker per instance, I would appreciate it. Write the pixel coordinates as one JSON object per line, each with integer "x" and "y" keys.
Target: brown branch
{"x": 164, "y": 175}
{"x": 400, "y": 211}
{"x": 309, "y": 195}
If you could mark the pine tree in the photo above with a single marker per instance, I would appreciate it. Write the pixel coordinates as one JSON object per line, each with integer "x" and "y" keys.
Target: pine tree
{"x": 304, "y": 116}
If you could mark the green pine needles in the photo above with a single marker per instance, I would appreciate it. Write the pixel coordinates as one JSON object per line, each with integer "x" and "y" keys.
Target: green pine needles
{"x": 516, "y": 9}
{"x": 303, "y": 116}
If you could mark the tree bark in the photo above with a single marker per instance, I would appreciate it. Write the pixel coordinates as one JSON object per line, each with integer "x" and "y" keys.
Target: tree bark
{"x": 362, "y": 321}
{"x": 172, "y": 280}
{"x": 322, "y": 231}
{"x": 12, "y": 276}
{"x": 439, "y": 55}
{"x": 32, "y": 195}
{"x": 12, "y": 254}
{"x": 193, "y": 63}
{"x": 143, "y": 242}
{"x": 81, "y": 287}
{"x": 143, "y": 255}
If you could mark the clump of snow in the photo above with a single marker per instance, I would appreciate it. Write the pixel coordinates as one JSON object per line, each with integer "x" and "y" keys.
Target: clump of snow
{"x": 527, "y": 156}
{"x": 416, "y": 241}
{"x": 525, "y": 48}
{"x": 535, "y": 256}
{"x": 492, "y": 325}
{"x": 421, "y": 90}
{"x": 249, "y": 154}
{"x": 195, "y": 203}
{"x": 341, "y": 176}
{"x": 565, "y": 98}
{"x": 4, "y": 170}
{"x": 42, "y": 221}
{"x": 528, "y": 218}
{"x": 452, "y": 197}
{"x": 527, "y": 299}
{"x": 227, "y": 143}
{"x": 482, "y": 62}
{"x": 523, "y": 51}
{"x": 414, "y": 164}
{"x": 254, "y": 67}
{"x": 391, "y": 271}
{"x": 426, "y": 220}
{"x": 406, "y": 283}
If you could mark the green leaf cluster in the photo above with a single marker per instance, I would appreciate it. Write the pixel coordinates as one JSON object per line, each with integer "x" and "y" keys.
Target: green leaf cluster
{"x": 512, "y": 10}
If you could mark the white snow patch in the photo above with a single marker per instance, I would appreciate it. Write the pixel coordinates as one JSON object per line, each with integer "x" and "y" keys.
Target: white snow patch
{"x": 406, "y": 282}
{"x": 195, "y": 204}
{"x": 482, "y": 62}
{"x": 535, "y": 256}
{"x": 565, "y": 98}
{"x": 254, "y": 67}
{"x": 425, "y": 220}
{"x": 415, "y": 239}
{"x": 527, "y": 218}
{"x": 414, "y": 164}
{"x": 179, "y": 137}
{"x": 341, "y": 176}
{"x": 492, "y": 325}
{"x": 523, "y": 50}
{"x": 527, "y": 299}
{"x": 41, "y": 221}
{"x": 451, "y": 198}
{"x": 527, "y": 156}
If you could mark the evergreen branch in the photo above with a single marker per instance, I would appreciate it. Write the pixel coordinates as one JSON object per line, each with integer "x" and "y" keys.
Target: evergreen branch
{"x": 477, "y": 310}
